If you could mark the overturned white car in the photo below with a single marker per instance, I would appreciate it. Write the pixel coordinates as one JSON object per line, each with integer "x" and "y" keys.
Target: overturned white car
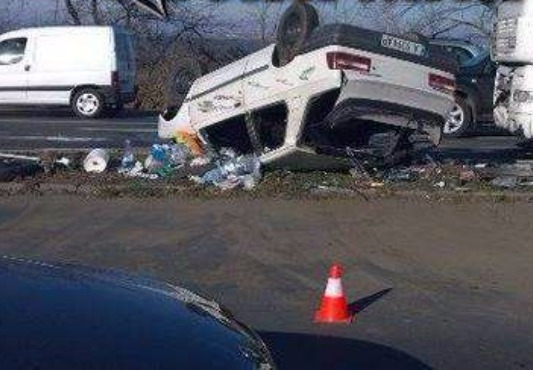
{"x": 320, "y": 94}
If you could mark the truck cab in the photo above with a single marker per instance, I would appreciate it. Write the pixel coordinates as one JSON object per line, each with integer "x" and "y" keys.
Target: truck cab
{"x": 512, "y": 49}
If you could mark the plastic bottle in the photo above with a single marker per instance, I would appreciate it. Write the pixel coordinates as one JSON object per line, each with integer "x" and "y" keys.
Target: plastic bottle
{"x": 128, "y": 159}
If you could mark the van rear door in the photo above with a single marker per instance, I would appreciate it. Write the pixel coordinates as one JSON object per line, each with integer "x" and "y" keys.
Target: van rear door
{"x": 126, "y": 64}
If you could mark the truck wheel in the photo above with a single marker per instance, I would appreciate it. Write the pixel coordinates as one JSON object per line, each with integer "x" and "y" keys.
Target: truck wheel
{"x": 182, "y": 78}
{"x": 88, "y": 103}
{"x": 459, "y": 122}
{"x": 295, "y": 26}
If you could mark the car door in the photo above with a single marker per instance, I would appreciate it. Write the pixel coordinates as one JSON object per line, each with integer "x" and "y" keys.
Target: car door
{"x": 13, "y": 74}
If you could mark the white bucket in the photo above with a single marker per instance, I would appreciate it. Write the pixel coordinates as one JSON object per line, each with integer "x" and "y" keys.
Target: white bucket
{"x": 96, "y": 161}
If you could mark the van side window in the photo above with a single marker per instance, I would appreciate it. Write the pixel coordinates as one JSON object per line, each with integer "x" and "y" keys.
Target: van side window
{"x": 12, "y": 51}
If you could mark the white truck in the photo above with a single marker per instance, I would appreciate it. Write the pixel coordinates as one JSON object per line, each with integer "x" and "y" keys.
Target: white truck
{"x": 512, "y": 49}
{"x": 91, "y": 69}
{"x": 318, "y": 94}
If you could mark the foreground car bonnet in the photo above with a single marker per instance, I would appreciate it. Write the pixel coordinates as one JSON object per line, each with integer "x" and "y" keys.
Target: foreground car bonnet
{"x": 65, "y": 317}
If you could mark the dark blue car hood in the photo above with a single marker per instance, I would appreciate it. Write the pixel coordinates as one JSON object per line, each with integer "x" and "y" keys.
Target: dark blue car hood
{"x": 55, "y": 316}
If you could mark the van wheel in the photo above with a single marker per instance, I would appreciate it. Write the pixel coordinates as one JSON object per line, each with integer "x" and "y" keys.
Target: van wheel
{"x": 88, "y": 103}
{"x": 294, "y": 28}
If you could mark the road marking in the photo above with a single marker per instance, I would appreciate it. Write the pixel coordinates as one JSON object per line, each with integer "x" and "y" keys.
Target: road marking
{"x": 142, "y": 130}
{"x": 66, "y": 139}
{"x": 61, "y": 149}
{"x": 76, "y": 123}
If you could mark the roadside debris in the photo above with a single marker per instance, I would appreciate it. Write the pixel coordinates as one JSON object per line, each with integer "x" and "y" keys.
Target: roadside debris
{"x": 128, "y": 158}
{"x": 185, "y": 158}
{"x": 96, "y": 161}
{"x": 186, "y": 163}
{"x": 232, "y": 171}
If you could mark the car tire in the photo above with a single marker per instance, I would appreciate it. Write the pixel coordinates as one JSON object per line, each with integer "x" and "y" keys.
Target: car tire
{"x": 182, "y": 78}
{"x": 88, "y": 103}
{"x": 294, "y": 28}
{"x": 459, "y": 122}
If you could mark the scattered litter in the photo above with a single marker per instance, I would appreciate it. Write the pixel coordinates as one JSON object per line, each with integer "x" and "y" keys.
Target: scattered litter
{"x": 401, "y": 175}
{"x": 128, "y": 158}
{"x": 96, "y": 161}
{"x": 64, "y": 161}
{"x": 357, "y": 171}
{"x": 200, "y": 161}
{"x": 440, "y": 184}
{"x": 151, "y": 164}
{"x": 138, "y": 171}
{"x": 191, "y": 141}
{"x": 232, "y": 171}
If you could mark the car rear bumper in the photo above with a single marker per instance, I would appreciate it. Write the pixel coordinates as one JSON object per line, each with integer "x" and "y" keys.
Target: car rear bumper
{"x": 352, "y": 110}
{"x": 433, "y": 102}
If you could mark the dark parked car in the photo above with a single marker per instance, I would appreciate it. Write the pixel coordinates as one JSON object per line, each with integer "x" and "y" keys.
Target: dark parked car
{"x": 461, "y": 50}
{"x": 55, "y": 316}
{"x": 474, "y": 98}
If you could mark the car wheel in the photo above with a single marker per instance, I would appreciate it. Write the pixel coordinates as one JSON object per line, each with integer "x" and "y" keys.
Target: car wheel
{"x": 88, "y": 103}
{"x": 182, "y": 78}
{"x": 295, "y": 26}
{"x": 459, "y": 122}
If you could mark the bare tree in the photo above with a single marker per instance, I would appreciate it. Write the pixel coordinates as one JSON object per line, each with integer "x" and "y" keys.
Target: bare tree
{"x": 73, "y": 12}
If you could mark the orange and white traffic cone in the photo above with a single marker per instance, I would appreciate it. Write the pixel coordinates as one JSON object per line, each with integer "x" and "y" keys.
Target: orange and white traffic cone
{"x": 334, "y": 307}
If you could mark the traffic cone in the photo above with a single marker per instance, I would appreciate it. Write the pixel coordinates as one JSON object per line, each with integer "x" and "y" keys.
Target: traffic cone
{"x": 334, "y": 307}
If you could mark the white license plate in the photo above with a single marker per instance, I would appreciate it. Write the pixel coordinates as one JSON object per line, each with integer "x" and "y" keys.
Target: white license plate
{"x": 405, "y": 46}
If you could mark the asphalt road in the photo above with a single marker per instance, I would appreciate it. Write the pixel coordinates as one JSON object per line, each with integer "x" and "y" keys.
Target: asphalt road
{"x": 436, "y": 285}
{"x": 58, "y": 129}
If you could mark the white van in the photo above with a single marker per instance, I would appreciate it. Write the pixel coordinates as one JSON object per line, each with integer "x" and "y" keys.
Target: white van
{"x": 91, "y": 69}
